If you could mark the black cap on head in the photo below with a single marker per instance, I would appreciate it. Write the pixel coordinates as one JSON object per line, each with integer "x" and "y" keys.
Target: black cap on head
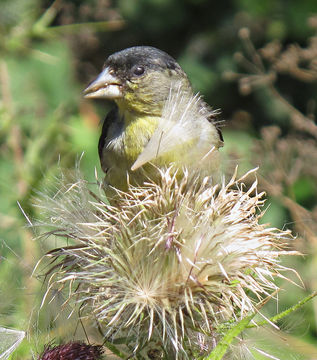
{"x": 147, "y": 56}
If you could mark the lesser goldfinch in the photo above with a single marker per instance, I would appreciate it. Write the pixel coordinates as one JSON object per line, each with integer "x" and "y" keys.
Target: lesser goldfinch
{"x": 157, "y": 118}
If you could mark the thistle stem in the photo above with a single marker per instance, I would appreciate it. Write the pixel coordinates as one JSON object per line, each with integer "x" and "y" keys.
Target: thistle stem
{"x": 286, "y": 312}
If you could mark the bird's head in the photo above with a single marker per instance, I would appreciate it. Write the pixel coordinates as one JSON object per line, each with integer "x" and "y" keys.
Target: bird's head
{"x": 139, "y": 79}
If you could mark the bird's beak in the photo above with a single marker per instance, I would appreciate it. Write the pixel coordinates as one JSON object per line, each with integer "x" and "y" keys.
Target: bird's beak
{"x": 107, "y": 85}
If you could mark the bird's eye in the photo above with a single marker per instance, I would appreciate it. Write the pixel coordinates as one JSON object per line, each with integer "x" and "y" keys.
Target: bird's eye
{"x": 139, "y": 70}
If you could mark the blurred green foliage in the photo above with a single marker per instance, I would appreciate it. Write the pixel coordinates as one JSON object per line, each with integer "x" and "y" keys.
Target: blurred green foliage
{"x": 46, "y": 60}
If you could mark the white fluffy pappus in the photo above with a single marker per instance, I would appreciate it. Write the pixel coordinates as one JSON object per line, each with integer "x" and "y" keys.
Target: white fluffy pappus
{"x": 169, "y": 263}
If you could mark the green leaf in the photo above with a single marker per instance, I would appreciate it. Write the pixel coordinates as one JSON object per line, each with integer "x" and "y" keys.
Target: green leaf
{"x": 9, "y": 341}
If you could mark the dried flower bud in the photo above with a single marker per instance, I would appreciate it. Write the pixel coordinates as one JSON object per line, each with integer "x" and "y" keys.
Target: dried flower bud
{"x": 271, "y": 50}
{"x": 244, "y": 33}
{"x": 312, "y": 22}
{"x": 72, "y": 351}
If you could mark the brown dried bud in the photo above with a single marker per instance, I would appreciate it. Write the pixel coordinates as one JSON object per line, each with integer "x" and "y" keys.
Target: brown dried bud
{"x": 72, "y": 351}
{"x": 244, "y": 33}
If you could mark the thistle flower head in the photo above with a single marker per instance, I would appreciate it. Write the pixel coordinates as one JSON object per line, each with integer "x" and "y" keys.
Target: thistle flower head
{"x": 169, "y": 263}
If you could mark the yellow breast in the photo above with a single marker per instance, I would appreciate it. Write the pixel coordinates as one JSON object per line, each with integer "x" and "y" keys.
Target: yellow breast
{"x": 137, "y": 132}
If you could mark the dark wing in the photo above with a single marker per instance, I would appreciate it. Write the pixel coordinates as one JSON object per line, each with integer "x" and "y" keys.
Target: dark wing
{"x": 110, "y": 119}
{"x": 213, "y": 118}
{"x": 220, "y": 134}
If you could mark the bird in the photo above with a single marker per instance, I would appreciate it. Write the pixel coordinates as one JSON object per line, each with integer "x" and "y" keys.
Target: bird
{"x": 157, "y": 120}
